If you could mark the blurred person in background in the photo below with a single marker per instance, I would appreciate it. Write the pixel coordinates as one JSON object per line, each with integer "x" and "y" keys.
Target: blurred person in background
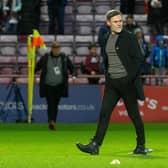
{"x": 30, "y": 16}
{"x": 56, "y": 12}
{"x": 1, "y": 22}
{"x": 11, "y": 15}
{"x": 159, "y": 58}
{"x": 154, "y": 18}
{"x": 92, "y": 64}
{"x": 130, "y": 23}
{"x": 145, "y": 66}
{"x": 164, "y": 16}
{"x": 127, "y": 6}
{"x": 102, "y": 31}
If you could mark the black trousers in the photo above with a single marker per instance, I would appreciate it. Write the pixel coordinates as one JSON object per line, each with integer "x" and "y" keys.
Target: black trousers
{"x": 114, "y": 90}
{"x": 127, "y": 6}
{"x": 56, "y": 17}
{"x": 53, "y": 99}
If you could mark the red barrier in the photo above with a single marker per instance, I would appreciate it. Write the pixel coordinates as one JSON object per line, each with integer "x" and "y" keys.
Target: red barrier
{"x": 153, "y": 109}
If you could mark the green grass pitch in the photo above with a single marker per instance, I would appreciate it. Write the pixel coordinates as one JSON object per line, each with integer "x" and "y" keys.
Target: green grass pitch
{"x": 34, "y": 146}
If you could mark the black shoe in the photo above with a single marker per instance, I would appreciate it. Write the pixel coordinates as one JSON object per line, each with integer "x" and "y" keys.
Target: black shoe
{"x": 19, "y": 121}
{"x": 91, "y": 148}
{"x": 51, "y": 125}
{"x": 140, "y": 149}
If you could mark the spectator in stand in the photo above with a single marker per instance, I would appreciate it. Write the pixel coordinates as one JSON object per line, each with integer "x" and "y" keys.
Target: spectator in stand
{"x": 56, "y": 12}
{"x": 1, "y": 22}
{"x": 164, "y": 15}
{"x": 164, "y": 10}
{"x": 92, "y": 64}
{"x": 102, "y": 31}
{"x": 130, "y": 23}
{"x": 123, "y": 6}
{"x": 127, "y": 6}
{"x": 154, "y": 18}
{"x": 30, "y": 18}
{"x": 159, "y": 58}
{"x": 11, "y": 14}
{"x": 145, "y": 66}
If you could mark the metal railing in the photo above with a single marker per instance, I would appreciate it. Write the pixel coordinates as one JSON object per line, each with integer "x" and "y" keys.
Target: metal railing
{"x": 20, "y": 77}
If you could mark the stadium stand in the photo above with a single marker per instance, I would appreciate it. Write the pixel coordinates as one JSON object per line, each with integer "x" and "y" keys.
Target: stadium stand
{"x": 82, "y": 21}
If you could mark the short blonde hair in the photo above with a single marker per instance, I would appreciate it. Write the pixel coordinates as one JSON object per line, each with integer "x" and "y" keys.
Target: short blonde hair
{"x": 112, "y": 13}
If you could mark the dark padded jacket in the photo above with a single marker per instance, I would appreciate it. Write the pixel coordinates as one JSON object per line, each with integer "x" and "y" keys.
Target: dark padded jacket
{"x": 66, "y": 66}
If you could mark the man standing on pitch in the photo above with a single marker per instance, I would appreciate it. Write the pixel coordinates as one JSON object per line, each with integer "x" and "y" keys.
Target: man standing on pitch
{"x": 54, "y": 67}
{"x": 122, "y": 59}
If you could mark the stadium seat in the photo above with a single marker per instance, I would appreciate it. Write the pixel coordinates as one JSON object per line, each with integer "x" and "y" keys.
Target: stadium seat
{"x": 8, "y": 44}
{"x": 79, "y": 59}
{"x": 81, "y": 81}
{"x": 102, "y": 8}
{"x": 7, "y": 50}
{"x": 83, "y": 39}
{"x": 22, "y": 49}
{"x": 8, "y": 38}
{"x": 7, "y": 70}
{"x": 5, "y": 81}
{"x": 21, "y": 80}
{"x": 22, "y": 59}
{"x": 69, "y": 27}
{"x": 48, "y": 39}
{"x": 84, "y": 28}
{"x": 67, "y": 50}
{"x": 84, "y": 8}
{"x": 100, "y": 18}
{"x": 23, "y": 70}
{"x": 69, "y": 9}
{"x": 65, "y": 38}
{"x": 4, "y": 60}
{"x": 165, "y": 82}
{"x": 82, "y": 50}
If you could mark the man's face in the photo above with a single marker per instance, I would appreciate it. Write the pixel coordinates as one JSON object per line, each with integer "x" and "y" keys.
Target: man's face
{"x": 139, "y": 35}
{"x": 56, "y": 51}
{"x": 115, "y": 23}
{"x": 161, "y": 42}
{"x": 93, "y": 51}
{"x": 129, "y": 21}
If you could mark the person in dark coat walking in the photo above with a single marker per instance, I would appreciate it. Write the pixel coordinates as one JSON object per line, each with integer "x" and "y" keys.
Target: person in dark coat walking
{"x": 122, "y": 58}
{"x": 54, "y": 68}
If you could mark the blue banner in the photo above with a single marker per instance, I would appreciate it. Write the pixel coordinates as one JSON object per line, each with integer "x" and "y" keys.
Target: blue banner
{"x": 82, "y": 105}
